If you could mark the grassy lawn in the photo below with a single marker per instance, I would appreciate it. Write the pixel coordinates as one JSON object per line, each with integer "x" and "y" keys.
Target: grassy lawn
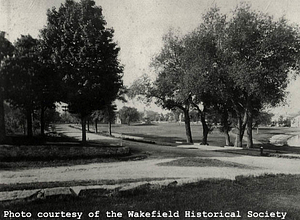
{"x": 166, "y": 132}
{"x": 175, "y": 132}
{"x": 267, "y": 193}
{"x": 172, "y": 132}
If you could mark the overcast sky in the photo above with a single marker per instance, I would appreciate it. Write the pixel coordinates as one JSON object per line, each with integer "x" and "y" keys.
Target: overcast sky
{"x": 140, "y": 24}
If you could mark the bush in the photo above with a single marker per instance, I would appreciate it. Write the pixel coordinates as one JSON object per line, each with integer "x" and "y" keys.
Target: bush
{"x": 14, "y": 120}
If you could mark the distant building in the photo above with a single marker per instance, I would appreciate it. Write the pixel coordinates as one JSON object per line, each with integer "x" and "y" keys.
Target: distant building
{"x": 295, "y": 123}
{"x": 61, "y": 107}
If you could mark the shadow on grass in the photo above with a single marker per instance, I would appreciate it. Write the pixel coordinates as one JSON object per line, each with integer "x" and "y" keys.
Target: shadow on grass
{"x": 38, "y": 139}
{"x": 150, "y": 124}
{"x": 201, "y": 162}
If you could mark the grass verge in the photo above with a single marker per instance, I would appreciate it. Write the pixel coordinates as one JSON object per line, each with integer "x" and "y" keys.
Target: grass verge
{"x": 268, "y": 193}
{"x": 43, "y": 185}
{"x": 21, "y": 152}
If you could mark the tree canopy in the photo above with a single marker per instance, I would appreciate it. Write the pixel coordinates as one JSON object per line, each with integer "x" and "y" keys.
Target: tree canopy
{"x": 171, "y": 89}
{"x": 22, "y": 72}
{"x": 85, "y": 55}
{"x": 6, "y": 49}
{"x": 128, "y": 115}
{"x": 261, "y": 52}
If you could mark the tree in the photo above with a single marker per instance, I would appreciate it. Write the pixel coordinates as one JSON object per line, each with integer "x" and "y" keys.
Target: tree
{"x": 110, "y": 116}
{"x": 83, "y": 50}
{"x": 128, "y": 115}
{"x": 49, "y": 86}
{"x": 261, "y": 52}
{"x": 14, "y": 120}
{"x": 170, "y": 88}
{"x": 203, "y": 61}
{"x": 21, "y": 72}
{"x": 170, "y": 117}
{"x": 107, "y": 115}
{"x": 97, "y": 116}
{"x": 152, "y": 115}
{"x": 241, "y": 65}
{"x": 284, "y": 121}
{"x": 6, "y": 49}
{"x": 262, "y": 118}
{"x": 141, "y": 89}
{"x": 31, "y": 81}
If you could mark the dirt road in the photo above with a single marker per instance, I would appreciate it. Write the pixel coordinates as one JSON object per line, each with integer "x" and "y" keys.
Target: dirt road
{"x": 151, "y": 168}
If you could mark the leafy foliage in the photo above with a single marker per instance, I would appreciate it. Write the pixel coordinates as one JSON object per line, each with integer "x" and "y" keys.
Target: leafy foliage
{"x": 171, "y": 89}
{"x": 262, "y": 52}
{"x": 85, "y": 54}
{"x": 6, "y": 49}
{"x": 22, "y": 73}
{"x": 128, "y": 115}
{"x": 263, "y": 118}
{"x": 14, "y": 120}
{"x": 108, "y": 114}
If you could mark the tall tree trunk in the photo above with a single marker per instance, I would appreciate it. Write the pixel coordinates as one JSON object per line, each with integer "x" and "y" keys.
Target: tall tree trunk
{"x": 2, "y": 118}
{"x": 204, "y": 128}
{"x": 83, "y": 128}
{"x": 109, "y": 128}
{"x": 96, "y": 125}
{"x": 226, "y": 128}
{"x": 88, "y": 125}
{"x": 239, "y": 138}
{"x": 29, "y": 122}
{"x": 249, "y": 129}
{"x": 42, "y": 121}
{"x": 241, "y": 129}
{"x": 227, "y": 139}
{"x": 187, "y": 123}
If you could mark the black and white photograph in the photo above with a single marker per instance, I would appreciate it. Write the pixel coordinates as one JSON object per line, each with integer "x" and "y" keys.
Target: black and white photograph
{"x": 149, "y": 109}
